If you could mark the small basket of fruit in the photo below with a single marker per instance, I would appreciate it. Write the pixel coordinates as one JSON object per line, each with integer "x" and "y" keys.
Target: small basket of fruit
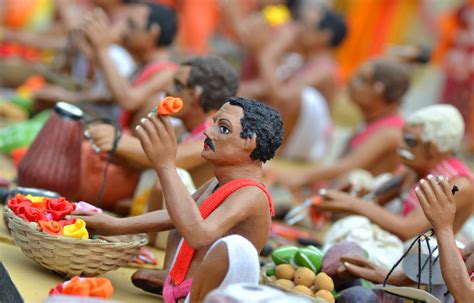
{"x": 298, "y": 270}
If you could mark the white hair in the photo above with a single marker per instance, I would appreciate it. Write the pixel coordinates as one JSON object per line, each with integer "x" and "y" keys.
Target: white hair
{"x": 442, "y": 125}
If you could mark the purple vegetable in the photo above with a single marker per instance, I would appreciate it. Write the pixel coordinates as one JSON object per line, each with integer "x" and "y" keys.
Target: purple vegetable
{"x": 332, "y": 258}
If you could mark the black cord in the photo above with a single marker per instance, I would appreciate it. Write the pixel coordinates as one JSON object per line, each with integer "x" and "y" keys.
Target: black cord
{"x": 117, "y": 136}
{"x": 400, "y": 260}
{"x": 430, "y": 269}
{"x": 419, "y": 263}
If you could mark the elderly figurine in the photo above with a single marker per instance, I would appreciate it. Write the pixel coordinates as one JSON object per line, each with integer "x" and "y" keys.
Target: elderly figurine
{"x": 226, "y": 222}
{"x": 437, "y": 201}
{"x": 431, "y": 138}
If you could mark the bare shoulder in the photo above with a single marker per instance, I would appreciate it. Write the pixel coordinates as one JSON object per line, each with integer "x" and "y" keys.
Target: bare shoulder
{"x": 249, "y": 197}
{"x": 391, "y": 134}
{"x": 204, "y": 188}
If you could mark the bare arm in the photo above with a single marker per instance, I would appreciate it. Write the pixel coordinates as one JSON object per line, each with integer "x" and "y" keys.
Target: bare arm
{"x": 453, "y": 268}
{"x": 364, "y": 156}
{"x": 440, "y": 206}
{"x": 127, "y": 96}
{"x": 129, "y": 148}
{"x": 52, "y": 93}
{"x": 150, "y": 222}
{"x": 404, "y": 228}
{"x": 188, "y": 155}
{"x": 46, "y": 40}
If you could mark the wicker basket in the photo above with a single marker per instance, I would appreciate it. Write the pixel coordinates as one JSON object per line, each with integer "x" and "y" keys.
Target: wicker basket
{"x": 70, "y": 256}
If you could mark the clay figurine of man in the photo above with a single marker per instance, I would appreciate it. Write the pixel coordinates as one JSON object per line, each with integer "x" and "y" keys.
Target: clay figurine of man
{"x": 431, "y": 137}
{"x": 224, "y": 224}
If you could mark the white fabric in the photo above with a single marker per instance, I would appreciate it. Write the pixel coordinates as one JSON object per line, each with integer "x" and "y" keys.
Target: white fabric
{"x": 383, "y": 248}
{"x": 122, "y": 61}
{"x": 244, "y": 265}
{"x": 309, "y": 140}
{"x": 249, "y": 293}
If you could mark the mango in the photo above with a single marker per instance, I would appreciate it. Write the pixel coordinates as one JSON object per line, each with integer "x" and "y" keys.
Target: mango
{"x": 285, "y": 271}
{"x": 286, "y": 284}
{"x": 326, "y": 295}
{"x": 271, "y": 272}
{"x": 303, "y": 290}
{"x": 284, "y": 254}
{"x": 309, "y": 257}
{"x": 323, "y": 281}
{"x": 304, "y": 276}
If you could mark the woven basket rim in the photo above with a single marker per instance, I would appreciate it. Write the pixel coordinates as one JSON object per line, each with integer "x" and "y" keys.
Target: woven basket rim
{"x": 20, "y": 223}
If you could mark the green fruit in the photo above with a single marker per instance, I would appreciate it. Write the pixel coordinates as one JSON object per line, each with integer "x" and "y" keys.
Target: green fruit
{"x": 310, "y": 258}
{"x": 366, "y": 253}
{"x": 283, "y": 255}
{"x": 271, "y": 272}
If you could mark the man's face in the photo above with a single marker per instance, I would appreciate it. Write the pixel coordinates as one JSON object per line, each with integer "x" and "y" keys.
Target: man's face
{"x": 310, "y": 35}
{"x": 136, "y": 36}
{"x": 223, "y": 144}
{"x": 180, "y": 89}
{"x": 413, "y": 151}
{"x": 361, "y": 87}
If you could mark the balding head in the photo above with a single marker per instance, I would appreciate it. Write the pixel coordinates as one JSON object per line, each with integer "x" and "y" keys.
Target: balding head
{"x": 393, "y": 75}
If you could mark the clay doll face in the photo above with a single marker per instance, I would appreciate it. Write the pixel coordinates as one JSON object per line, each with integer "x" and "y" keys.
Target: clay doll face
{"x": 136, "y": 36}
{"x": 414, "y": 152}
{"x": 180, "y": 89}
{"x": 361, "y": 88}
{"x": 223, "y": 144}
{"x": 310, "y": 35}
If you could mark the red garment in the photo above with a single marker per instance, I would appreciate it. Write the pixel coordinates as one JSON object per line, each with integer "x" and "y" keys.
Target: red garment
{"x": 451, "y": 168}
{"x": 59, "y": 208}
{"x": 186, "y": 253}
{"x": 390, "y": 121}
{"x": 145, "y": 74}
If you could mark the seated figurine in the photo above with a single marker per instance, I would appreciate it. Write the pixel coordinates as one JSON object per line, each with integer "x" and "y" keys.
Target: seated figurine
{"x": 226, "y": 222}
{"x": 431, "y": 137}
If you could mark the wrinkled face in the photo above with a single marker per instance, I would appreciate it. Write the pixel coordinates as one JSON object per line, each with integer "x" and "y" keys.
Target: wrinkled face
{"x": 361, "y": 87}
{"x": 180, "y": 89}
{"x": 413, "y": 152}
{"x": 223, "y": 144}
{"x": 136, "y": 36}
{"x": 310, "y": 35}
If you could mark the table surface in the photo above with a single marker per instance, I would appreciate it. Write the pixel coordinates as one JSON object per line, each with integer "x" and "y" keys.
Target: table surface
{"x": 34, "y": 281}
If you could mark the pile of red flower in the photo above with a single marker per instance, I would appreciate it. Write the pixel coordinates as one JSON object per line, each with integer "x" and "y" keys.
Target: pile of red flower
{"x": 46, "y": 210}
{"x": 50, "y": 214}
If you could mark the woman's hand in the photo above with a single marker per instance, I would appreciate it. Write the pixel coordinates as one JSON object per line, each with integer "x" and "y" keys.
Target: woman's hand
{"x": 437, "y": 201}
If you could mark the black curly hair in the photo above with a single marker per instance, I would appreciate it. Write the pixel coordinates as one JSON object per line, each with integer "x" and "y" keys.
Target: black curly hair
{"x": 166, "y": 18}
{"x": 263, "y": 122}
{"x": 333, "y": 22}
{"x": 217, "y": 78}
